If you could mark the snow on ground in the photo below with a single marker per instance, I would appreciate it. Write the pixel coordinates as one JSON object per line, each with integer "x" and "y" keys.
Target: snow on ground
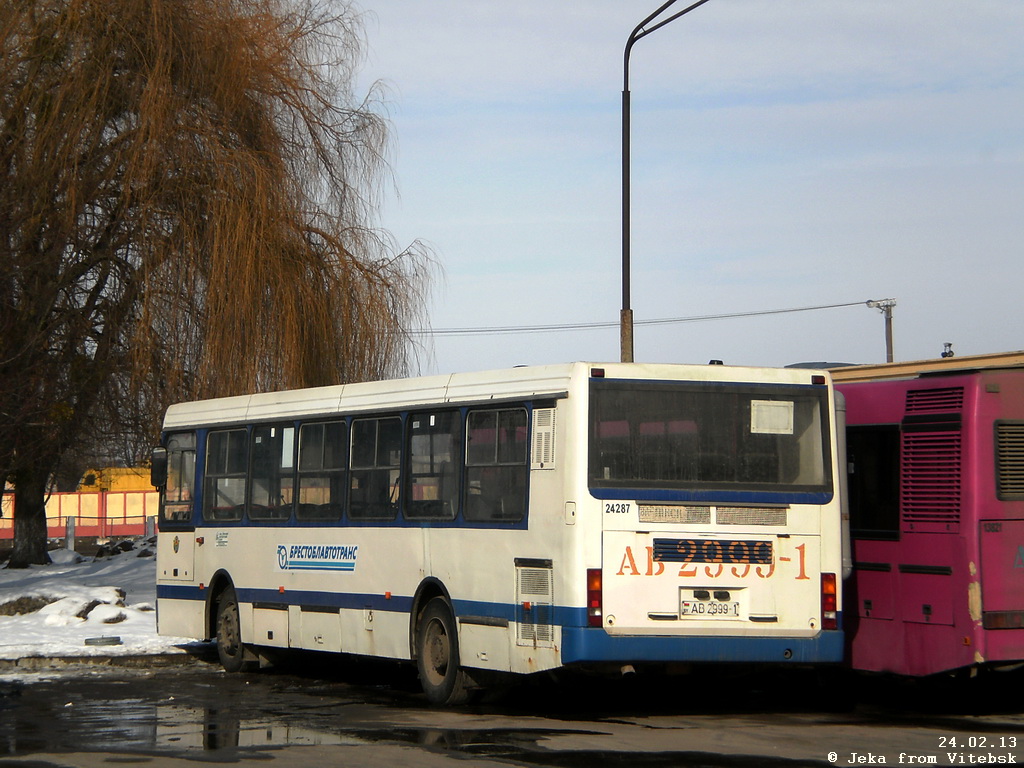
{"x": 78, "y": 606}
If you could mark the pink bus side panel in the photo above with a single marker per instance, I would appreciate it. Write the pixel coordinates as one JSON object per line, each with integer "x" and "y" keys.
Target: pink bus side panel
{"x": 1002, "y": 565}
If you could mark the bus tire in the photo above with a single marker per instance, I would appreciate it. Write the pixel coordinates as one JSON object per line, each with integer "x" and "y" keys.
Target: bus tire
{"x": 233, "y": 654}
{"x": 437, "y": 655}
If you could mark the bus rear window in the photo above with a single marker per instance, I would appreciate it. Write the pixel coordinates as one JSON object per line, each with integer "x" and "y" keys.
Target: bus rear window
{"x": 696, "y": 437}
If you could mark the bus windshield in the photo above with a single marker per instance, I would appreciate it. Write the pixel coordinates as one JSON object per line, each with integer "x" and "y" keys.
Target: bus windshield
{"x": 708, "y": 436}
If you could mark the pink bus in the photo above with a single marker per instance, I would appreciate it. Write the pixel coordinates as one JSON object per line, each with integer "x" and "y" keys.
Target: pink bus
{"x": 936, "y": 492}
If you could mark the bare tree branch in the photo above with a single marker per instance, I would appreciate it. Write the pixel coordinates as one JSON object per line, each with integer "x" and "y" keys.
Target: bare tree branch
{"x": 187, "y": 209}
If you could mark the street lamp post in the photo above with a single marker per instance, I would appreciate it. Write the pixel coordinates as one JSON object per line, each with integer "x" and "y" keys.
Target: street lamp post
{"x": 626, "y": 315}
{"x": 885, "y": 306}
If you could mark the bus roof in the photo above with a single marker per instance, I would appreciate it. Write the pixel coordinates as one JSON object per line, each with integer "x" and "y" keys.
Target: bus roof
{"x": 915, "y": 368}
{"x": 496, "y": 385}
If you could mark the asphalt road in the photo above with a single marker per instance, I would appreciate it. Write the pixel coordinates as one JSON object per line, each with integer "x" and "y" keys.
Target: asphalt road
{"x": 355, "y": 714}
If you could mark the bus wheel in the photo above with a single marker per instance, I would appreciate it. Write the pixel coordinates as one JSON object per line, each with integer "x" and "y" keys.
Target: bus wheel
{"x": 232, "y": 652}
{"x": 437, "y": 655}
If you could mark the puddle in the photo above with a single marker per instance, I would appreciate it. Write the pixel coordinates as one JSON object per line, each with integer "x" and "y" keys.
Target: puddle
{"x": 203, "y": 713}
{"x": 188, "y": 712}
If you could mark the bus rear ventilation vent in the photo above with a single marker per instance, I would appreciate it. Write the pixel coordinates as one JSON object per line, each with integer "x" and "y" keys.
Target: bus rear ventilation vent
{"x": 534, "y": 583}
{"x": 751, "y": 516}
{"x": 935, "y": 400}
{"x": 930, "y": 480}
{"x": 1010, "y": 461}
{"x": 543, "y": 438}
{"x": 535, "y": 606}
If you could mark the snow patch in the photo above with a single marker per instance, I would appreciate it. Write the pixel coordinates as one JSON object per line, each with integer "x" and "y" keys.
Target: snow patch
{"x": 54, "y": 608}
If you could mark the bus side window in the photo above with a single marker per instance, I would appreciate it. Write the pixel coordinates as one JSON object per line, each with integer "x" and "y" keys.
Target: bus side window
{"x": 227, "y": 457}
{"x": 179, "y": 491}
{"x": 271, "y": 473}
{"x": 374, "y": 462}
{"x": 496, "y": 465}
{"x": 433, "y": 465}
{"x": 323, "y": 459}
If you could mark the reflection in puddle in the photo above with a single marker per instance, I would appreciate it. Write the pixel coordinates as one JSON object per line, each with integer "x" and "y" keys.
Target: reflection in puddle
{"x": 186, "y": 728}
{"x": 182, "y": 728}
{"x": 185, "y": 713}
{"x": 208, "y": 715}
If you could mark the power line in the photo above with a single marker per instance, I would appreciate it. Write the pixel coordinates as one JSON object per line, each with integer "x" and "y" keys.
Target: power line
{"x": 505, "y": 330}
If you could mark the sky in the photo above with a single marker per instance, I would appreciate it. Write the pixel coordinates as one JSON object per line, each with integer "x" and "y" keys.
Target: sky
{"x": 785, "y": 155}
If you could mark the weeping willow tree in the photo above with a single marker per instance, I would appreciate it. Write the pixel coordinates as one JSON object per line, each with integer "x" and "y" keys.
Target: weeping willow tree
{"x": 186, "y": 210}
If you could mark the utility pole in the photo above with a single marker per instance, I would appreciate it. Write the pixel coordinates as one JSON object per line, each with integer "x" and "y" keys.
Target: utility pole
{"x": 885, "y": 306}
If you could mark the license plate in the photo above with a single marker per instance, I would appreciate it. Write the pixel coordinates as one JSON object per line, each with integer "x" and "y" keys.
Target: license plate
{"x": 709, "y": 609}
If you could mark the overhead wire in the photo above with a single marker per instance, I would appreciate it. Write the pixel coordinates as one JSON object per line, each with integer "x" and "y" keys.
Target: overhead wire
{"x": 559, "y": 327}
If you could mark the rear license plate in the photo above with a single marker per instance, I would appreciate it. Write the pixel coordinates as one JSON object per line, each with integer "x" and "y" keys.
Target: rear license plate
{"x": 709, "y": 609}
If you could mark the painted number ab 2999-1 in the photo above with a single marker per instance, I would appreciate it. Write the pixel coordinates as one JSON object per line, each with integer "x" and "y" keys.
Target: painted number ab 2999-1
{"x": 646, "y": 564}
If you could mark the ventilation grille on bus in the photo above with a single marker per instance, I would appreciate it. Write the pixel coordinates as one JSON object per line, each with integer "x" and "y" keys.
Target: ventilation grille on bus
{"x": 1010, "y": 461}
{"x": 543, "y": 438}
{"x": 701, "y": 515}
{"x": 930, "y": 481}
{"x": 535, "y": 606}
{"x": 751, "y": 516}
{"x": 935, "y": 400}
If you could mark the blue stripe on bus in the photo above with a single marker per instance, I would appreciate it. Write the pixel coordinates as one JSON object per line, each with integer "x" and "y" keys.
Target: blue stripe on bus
{"x": 350, "y": 600}
{"x": 585, "y": 644}
{"x": 179, "y": 592}
{"x": 579, "y": 642}
{"x": 295, "y": 597}
{"x": 319, "y": 565}
{"x": 197, "y": 523}
{"x": 344, "y": 600}
{"x": 721, "y": 497}
{"x": 561, "y": 615}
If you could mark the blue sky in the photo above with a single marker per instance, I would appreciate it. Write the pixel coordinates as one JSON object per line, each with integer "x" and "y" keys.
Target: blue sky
{"x": 784, "y": 154}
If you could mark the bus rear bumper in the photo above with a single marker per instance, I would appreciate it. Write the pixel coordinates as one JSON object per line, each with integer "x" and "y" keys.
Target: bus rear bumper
{"x": 585, "y": 644}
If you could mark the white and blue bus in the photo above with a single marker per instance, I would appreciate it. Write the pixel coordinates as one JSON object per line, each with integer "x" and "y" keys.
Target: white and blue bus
{"x": 600, "y": 516}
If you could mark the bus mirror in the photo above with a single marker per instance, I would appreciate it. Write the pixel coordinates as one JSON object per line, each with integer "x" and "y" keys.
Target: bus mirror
{"x": 158, "y": 468}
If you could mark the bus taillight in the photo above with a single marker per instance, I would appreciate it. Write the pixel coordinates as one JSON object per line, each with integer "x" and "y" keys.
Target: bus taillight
{"x": 829, "y": 602}
{"x": 594, "y": 611}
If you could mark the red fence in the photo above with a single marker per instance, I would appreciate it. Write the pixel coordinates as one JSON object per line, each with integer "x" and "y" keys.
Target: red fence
{"x": 100, "y": 515}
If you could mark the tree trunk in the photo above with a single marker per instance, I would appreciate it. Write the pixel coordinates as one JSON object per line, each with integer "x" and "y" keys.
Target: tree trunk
{"x": 29, "y": 519}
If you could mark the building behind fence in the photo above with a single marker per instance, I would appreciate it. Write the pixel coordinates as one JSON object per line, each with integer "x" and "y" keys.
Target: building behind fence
{"x": 92, "y": 514}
